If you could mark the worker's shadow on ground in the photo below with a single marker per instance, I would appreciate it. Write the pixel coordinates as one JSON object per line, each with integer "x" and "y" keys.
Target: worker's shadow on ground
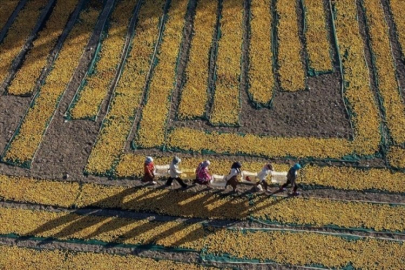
{"x": 170, "y": 218}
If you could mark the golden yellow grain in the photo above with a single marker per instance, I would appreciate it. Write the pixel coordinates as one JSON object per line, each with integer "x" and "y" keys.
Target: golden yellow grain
{"x": 23, "y": 189}
{"x": 194, "y": 95}
{"x": 226, "y": 105}
{"x": 119, "y": 119}
{"x": 25, "y": 144}
{"x": 36, "y": 59}
{"x": 64, "y": 225}
{"x": 291, "y": 68}
{"x": 152, "y": 127}
{"x": 324, "y": 212}
{"x": 358, "y": 93}
{"x": 387, "y": 81}
{"x": 98, "y": 83}
{"x": 306, "y": 249}
{"x": 18, "y": 33}
{"x": 26, "y": 258}
{"x": 397, "y": 7}
{"x": 354, "y": 179}
{"x": 317, "y": 42}
{"x": 261, "y": 77}
{"x": 396, "y": 157}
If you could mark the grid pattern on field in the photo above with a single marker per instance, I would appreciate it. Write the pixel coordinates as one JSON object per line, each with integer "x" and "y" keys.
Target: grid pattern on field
{"x": 357, "y": 92}
{"x": 28, "y": 137}
{"x": 157, "y": 126}
{"x": 364, "y": 117}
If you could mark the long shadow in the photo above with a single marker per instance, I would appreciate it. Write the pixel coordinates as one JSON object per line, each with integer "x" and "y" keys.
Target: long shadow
{"x": 75, "y": 222}
{"x": 114, "y": 228}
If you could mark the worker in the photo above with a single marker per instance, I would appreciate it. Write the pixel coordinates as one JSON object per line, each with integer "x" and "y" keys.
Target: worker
{"x": 175, "y": 173}
{"x": 202, "y": 175}
{"x": 149, "y": 171}
{"x": 291, "y": 179}
{"x": 262, "y": 175}
{"x": 232, "y": 177}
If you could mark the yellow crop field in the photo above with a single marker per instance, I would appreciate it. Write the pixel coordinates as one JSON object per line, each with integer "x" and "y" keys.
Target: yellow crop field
{"x": 199, "y": 134}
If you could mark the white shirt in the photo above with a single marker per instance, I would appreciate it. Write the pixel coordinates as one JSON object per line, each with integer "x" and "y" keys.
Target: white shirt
{"x": 232, "y": 173}
{"x": 263, "y": 173}
{"x": 174, "y": 170}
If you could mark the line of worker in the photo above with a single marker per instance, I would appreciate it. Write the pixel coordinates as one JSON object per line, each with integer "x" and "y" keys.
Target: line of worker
{"x": 203, "y": 177}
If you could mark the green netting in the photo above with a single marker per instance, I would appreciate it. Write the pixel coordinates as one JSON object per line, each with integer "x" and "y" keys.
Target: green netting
{"x": 18, "y": 60}
{"x": 213, "y": 79}
{"x": 227, "y": 258}
{"x": 99, "y": 243}
{"x": 64, "y": 35}
{"x": 255, "y": 104}
{"x": 389, "y": 8}
{"x": 184, "y": 75}
{"x": 312, "y": 71}
{"x": 352, "y": 158}
{"x": 130, "y": 37}
{"x": 329, "y": 226}
{"x": 90, "y": 71}
{"x": 181, "y": 49}
{"x": 387, "y": 140}
{"x": 154, "y": 63}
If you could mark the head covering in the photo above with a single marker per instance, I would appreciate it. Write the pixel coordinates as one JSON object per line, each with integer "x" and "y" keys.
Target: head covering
{"x": 206, "y": 163}
{"x": 176, "y": 160}
{"x": 297, "y": 166}
{"x": 148, "y": 160}
{"x": 236, "y": 165}
{"x": 269, "y": 166}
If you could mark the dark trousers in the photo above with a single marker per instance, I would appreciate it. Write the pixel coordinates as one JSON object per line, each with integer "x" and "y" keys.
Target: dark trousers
{"x": 178, "y": 179}
{"x": 293, "y": 184}
{"x": 233, "y": 182}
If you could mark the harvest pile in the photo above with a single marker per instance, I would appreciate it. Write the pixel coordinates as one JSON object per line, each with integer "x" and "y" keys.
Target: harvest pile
{"x": 90, "y": 88}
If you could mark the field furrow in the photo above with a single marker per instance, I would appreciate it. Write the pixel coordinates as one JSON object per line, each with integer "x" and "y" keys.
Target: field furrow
{"x": 66, "y": 225}
{"x": 357, "y": 93}
{"x": 7, "y": 8}
{"x": 62, "y": 259}
{"x": 397, "y": 7}
{"x": 313, "y": 211}
{"x": 289, "y": 60}
{"x": 307, "y": 249}
{"x": 128, "y": 93}
{"x": 194, "y": 95}
{"x": 357, "y": 88}
{"x": 226, "y": 98}
{"x": 316, "y": 34}
{"x": 22, "y": 148}
{"x": 92, "y": 91}
{"x": 35, "y": 60}
{"x": 18, "y": 33}
{"x": 261, "y": 76}
{"x": 385, "y": 70}
{"x": 96, "y": 85}
{"x": 152, "y": 126}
